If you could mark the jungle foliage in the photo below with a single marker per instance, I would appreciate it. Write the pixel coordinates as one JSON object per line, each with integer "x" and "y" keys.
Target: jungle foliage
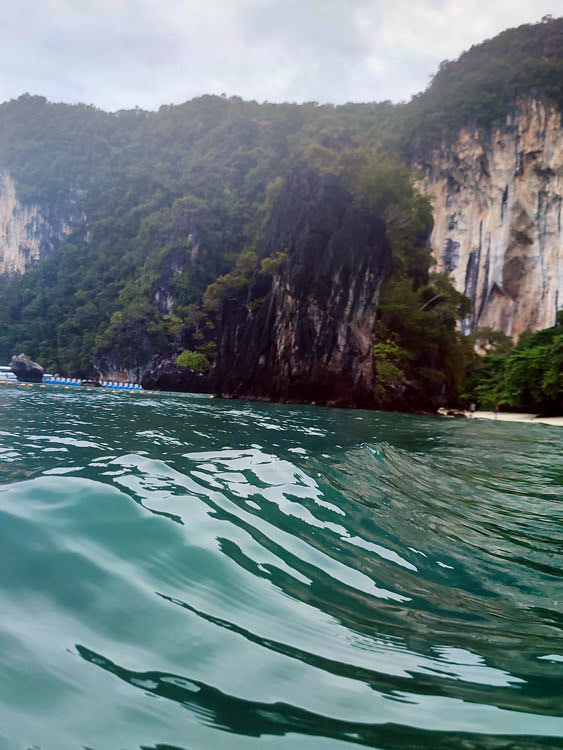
{"x": 481, "y": 87}
{"x": 194, "y": 360}
{"x": 528, "y": 376}
{"x": 167, "y": 208}
{"x": 161, "y": 204}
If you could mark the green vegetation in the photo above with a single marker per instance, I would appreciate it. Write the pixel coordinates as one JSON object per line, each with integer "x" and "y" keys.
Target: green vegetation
{"x": 194, "y": 360}
{"x": 392, "y": 361}
{"x": 482, "y": 85}
{"x": 418, "y": 343}
{"x": 230, "y": 282}
{"x": 527, "y": 377}
{"x": 161, "y": 204}
{"x": 270, "y": 266}
{"x": 168, "y": 208}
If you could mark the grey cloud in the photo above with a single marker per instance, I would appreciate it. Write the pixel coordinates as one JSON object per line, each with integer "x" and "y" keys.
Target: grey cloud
{"x": 305, "y": 29}
{"x": 120, "y": 53}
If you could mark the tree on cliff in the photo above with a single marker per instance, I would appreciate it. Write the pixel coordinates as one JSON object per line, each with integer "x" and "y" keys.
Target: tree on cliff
{"x": 134, "y": 335}
{"x": 419, "y": 349}
{"x": 482, "y": 86}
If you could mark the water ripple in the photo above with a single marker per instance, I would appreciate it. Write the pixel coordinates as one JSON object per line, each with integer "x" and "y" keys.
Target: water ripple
{"x": 181, "y": 572}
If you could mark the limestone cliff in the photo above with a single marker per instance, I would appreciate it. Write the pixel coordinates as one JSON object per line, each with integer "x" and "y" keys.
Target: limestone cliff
{"x": 498, "y": 230}
{"x": 306, "y": 333}
{"x": 26, "y": 234}
{"x": 302, "y": 329}
{"x": 21, "y": 230}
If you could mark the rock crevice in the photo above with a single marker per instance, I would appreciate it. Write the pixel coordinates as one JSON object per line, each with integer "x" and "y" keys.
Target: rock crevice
{"x": 497, "y": 198}
{"x": 22, "y": 230}
{"x": 28, "y": 233}
{"x": 302, "y": 332}
{"x": 306, "y": 334}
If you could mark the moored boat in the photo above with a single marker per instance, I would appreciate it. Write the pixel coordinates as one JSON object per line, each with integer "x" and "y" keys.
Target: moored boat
{"x": 7, "y": 376}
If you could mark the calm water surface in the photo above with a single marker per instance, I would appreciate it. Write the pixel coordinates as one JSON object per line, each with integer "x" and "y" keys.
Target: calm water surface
{"x": 181, "y": 572}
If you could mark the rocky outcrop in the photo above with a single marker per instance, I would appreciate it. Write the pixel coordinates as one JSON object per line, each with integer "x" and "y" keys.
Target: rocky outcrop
{"x": 26, "y": 370}
{"x": 305, "y": 333}
{"x": 127, "y": 365}
{"x": 164, "y": 375}
{"x": 26, "y": 233}
{"x": 302, "y": 329}
{"x": 498, "y": 229}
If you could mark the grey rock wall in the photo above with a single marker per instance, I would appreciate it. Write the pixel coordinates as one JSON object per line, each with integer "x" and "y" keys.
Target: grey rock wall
{"x": 27, "y": 232}
{"x": 306, "y": 334}
{"x": 498, "y": 229}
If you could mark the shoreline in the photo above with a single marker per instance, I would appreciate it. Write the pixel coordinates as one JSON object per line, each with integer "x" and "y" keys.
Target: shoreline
{"x": 515, "y": 417}
{"x": 509, "y": 416}
{"x": 441, "y": 412}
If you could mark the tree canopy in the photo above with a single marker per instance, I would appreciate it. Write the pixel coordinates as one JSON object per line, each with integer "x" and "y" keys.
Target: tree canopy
{"x": 159, "y": 209}
{"x": 528, "y": 376}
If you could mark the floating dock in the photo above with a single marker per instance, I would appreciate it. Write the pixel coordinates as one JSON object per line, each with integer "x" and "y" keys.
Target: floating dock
{"x": 7, "y": 377}
{"x": 112, "y": 384}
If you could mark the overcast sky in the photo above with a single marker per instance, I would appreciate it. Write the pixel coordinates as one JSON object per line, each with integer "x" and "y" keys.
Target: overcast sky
{"x": 122, "y": 53}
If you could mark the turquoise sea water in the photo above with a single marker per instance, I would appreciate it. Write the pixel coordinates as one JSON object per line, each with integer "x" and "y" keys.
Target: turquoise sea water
{"x": 181, "y": 572}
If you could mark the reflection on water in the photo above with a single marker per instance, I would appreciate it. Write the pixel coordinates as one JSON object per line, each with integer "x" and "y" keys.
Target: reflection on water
{"x": 182, "y": 572}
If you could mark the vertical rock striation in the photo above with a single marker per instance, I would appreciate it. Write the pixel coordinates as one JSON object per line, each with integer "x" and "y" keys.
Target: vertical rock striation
{"x": 306, "y": 332}
{"x": 498, "y": 228}
{"x": 26, "y": 234}
{"x": 22, "y": 230}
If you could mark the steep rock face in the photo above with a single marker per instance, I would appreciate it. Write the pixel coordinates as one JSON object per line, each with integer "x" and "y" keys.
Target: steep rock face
{"x": 164, "y": 374}
{"x": 498, "y": 218}
{"x": 306, "y": 333}
{"x": 26, "y": 233}
{"x": 111, "y": 368}
{"x": 21, "y": 230}
{"x": 181, "y": 245}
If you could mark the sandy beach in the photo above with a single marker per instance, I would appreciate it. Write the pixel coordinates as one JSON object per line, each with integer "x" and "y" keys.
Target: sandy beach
{"x": 509, "y": 417}
{"x": 512, "y": 417}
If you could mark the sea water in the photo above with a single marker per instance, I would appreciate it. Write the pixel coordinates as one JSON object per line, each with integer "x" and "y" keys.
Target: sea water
{"x": 182, "y": 572}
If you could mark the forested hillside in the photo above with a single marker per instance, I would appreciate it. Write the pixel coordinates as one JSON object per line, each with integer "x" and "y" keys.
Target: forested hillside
{"x": 165, "y": 201}
{"x": 159, "y": 207}
{"x": 482, "y": 85}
